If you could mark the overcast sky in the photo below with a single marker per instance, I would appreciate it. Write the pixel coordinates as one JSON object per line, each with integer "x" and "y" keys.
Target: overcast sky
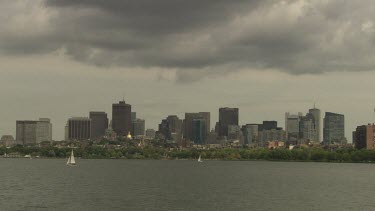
{"x": 65, "y": 58}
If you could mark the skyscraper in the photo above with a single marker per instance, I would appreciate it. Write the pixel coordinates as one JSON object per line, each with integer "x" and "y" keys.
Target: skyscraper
{"x": 307, "y": 128}
{"x": 138, "y": 127}
{"x": 199, "y": 131}
{"x": 250, "y": 132}
{"x": 78, "y": 128}
{"x": 317, "y": 120}
{"x": 188, "y": 123}
{"x": 99, "y": 123}
{"x": 333, "y": 128}
{"x": 121, "y": 118}
{"x": 292, "y": 123}
{"x": 364, "y": 137}
{"x": 227, "y": 116}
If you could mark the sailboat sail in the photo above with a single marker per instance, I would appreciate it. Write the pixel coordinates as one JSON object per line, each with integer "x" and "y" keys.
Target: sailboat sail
{"x": 71, "y": 160}
{"x": 199, "y": 159}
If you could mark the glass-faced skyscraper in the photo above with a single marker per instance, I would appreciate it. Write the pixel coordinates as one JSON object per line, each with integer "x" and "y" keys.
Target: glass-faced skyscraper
{"x": 333, "y": 128}
{"x": 121, "y": 118}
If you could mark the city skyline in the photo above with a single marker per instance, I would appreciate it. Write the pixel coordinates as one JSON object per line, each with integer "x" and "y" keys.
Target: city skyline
{"x": 254, "y": 55}
{"x": 210, "y": 114}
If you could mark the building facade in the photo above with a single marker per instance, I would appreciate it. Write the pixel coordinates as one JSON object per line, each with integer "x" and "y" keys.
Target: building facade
{"x": 199, "y": 131}
{"x": 121, "y": 118}
{"x": 227, "y": 116}
{"x": 78, "y": 128}
{"x": 364, "y": 137}
{"x": 334, "y": 128}
{"x": 99, "y": 124}
{"x": 138, "y": 127}
{"x": 33, "y": 132}
{"x": 188, "y": 123}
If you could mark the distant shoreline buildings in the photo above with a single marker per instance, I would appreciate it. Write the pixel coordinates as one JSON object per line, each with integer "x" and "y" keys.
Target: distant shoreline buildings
{"x": 195, "y": 129}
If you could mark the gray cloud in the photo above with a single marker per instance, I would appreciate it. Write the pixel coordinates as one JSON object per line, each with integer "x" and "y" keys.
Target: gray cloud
{"x": 198, "y": 38}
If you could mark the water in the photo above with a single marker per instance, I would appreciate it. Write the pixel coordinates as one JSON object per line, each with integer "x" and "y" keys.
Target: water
{"x": 43, "y": 184}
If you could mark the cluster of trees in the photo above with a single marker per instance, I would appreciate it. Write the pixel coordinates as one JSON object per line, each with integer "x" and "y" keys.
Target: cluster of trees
{"x": 151, "y": 152}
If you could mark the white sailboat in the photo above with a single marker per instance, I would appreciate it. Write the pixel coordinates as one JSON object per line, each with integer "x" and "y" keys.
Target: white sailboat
{"x": 199, "y": 159}
{"x": 71, "y": 161}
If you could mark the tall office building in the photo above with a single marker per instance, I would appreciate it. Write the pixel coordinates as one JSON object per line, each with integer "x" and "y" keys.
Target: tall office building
{"x": 150, "y": 133}
{"x": 171, "y": 128}
{"x": 333, "y": 128}
{"x": 317, "y": 122}
{"x": 199, "y": 131}
{"x": 138, "y": 127}
{"x": 364, "y": 137}
{"x": 33, "y": 132}
{"x": 227, "y": 116}
{"x": 269, "y": 125}
{"x": 307, "y": 128}
{"x": 99, "y": 124}
{"x": 133, "y": 115}
{"x": 292, "y": 123}
{"x": 121, "y": 118}
{"x": 78, "y": 128}
{"x": 188, "y": 123}
{"x": 250, "y": 133}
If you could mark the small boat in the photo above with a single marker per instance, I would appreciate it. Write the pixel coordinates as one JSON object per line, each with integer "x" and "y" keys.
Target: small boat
{"x": 199, "y": 159}
{"x": 71, "y": 160}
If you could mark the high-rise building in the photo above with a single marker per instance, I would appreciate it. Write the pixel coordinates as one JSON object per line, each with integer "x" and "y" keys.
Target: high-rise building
{"x": 138, "y": 127}
{"x": 250, "y": 133}
{"x": 43, "y": 130}
{"x": 78, "y": 128}
{"x": 317, "y": 122}
{"x": 364, "y": 137}
{"x": 121, "y": 118}
{"x": 227, "y": 116}
{"x": 33, "y": 132}
{"x": 234, "y": 132}
{"x": 334, "y": 128}
{"x": 307, "y": 128}
{"x": 133, "y": 115}
{"x": 199, "y": 131}
{"x": 171, "y": 128}
{"x": 269, "y": 125}
{"x": 99, "y": 124}
{"x": 188, "y": 123}
{"x": 292, "y": 123}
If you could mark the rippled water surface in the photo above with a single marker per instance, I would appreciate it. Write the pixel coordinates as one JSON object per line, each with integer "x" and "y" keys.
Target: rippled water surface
{"x": 43, "y": 184}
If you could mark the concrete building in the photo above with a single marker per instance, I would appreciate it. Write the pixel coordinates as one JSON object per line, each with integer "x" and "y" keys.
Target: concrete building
{"x": 269, "y": 125}
{"x": 334, "y": 128}
{"x": 271, "y": 135}
{"x": 150, "y": 133}
{"x": 171, "y": 128}
{"x": 364, "y": 137}
{"x": 33, "y": 132}
{"x": 188, "y": 123}
{"x": 121, "y": 118}
{"x": 78, "y": 128}
{"x": 138, "y": 127}
{"x": 7, "y": 141}
{"x": 234, "y": 132}
{"x": 250, "y": 133}
{"x": 99, "y": 124}
{"x": 227, "y": 116}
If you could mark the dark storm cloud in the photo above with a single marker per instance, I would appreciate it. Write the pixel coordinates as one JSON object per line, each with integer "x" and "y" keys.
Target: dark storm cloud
{"x": 199, "y": 38}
